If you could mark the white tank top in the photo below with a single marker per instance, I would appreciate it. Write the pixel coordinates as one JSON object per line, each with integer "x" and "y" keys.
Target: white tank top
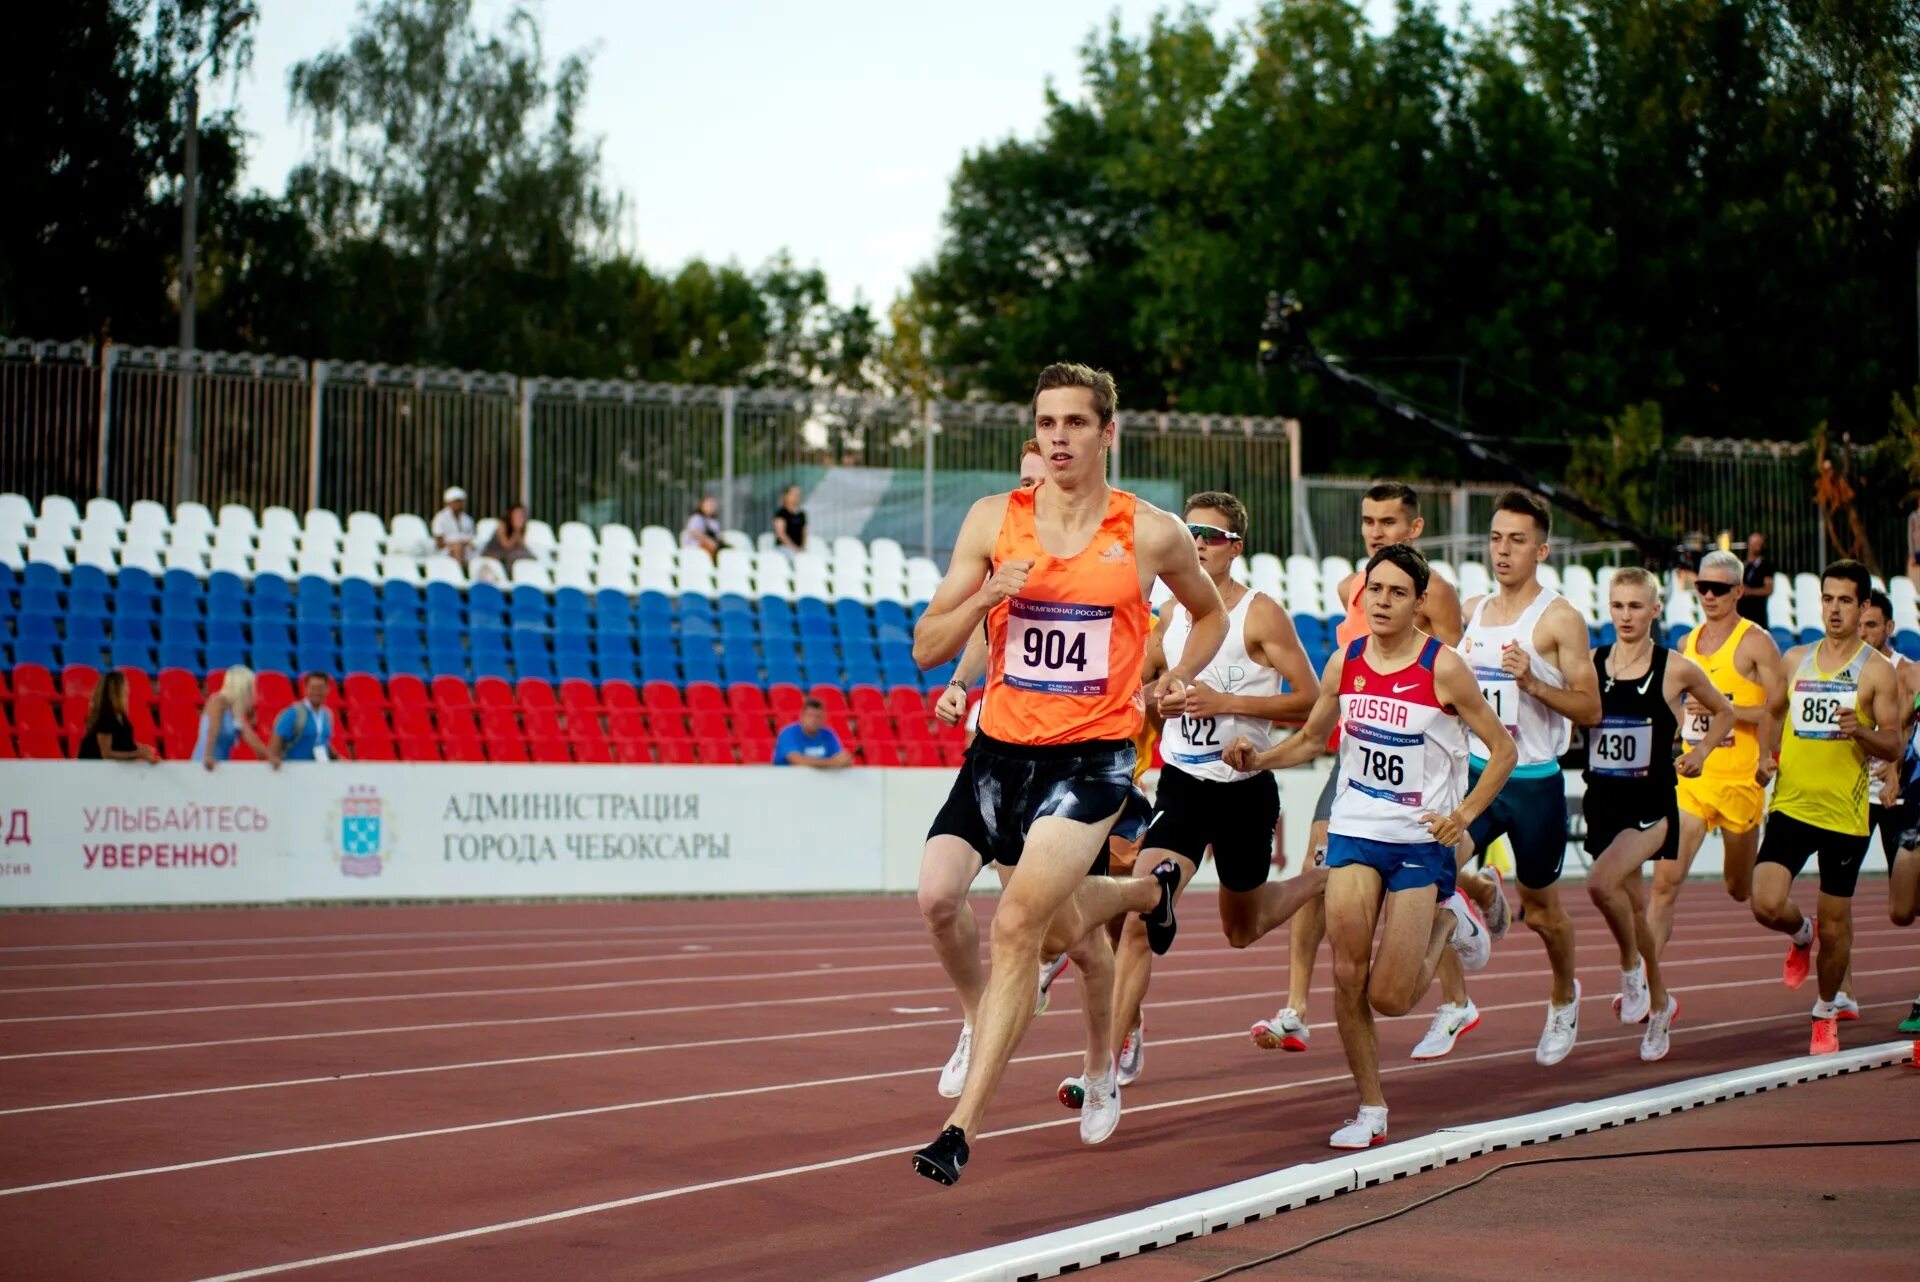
{"x": 1878, "y": 790}
{"x": 1540, "y": 733}
{"x": 1194, "y": 744}
{"x": 1402, "y": 753}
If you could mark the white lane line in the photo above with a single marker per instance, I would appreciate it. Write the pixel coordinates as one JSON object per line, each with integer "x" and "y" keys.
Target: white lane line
{"x": 759, "y": 1177}
{"x": 578, "y": 963}
{"x": 784, "y": 942}
{"x": 332, "y": 1079}
{"x": 712, "y": 927}
{"x": 922, "y": 964}
{"x": 1243, "y": 970}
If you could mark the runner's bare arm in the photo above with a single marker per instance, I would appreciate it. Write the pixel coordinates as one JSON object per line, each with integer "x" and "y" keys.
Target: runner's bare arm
{"x": 1565, "y": 633}
{"x": 973, "y": 659}
{"x": 1457, "y": 688}
{"x": 1882, "y": 701}
{"x": 1164, "y": 548}
{"x": 1271, "y": 636}
{"x": 1310, "y": 741}
{"x": 1758, "y": 660}
{"x": 972, "y": 586}
{"x": 1774, "y": 720}
{"x": 1687, "y": 684}
{"x": 1444, "y": 617}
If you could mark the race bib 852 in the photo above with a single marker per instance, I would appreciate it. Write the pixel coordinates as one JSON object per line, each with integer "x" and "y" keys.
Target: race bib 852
{"x": 1814, "y": 708}
{"x": 1058, "y": 647}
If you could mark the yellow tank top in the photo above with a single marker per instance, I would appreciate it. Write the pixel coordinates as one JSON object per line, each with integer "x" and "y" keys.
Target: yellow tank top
{"x": 1738, "y": 755}
{"x": 1823, "y": 773}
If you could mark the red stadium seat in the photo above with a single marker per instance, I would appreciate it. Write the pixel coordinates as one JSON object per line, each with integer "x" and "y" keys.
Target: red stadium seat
{"x": 756, "y": 751}
{"x": 907, "y": 701}
{"x": 627, "y": 724}
{"x": 458, "y": 723}
{"x": 363, "y": 688}
{"x": 709, "y": 725}
{"x": 32, "y": 679}
{"x": 535, "y": 693}
{"x": 922, "y": 753}
{"x": 139, "y": 686}
{"x": 7, "y": 750}
{"x": 633, "y": 750}
{"x": 661, "y": 696}
{"x": 550, "y": 751}
{"x": 592, "y": 751}
{"x": 620, "y": 696}
{"x": 372, "y": 748}
{"x": 35, "y": 712}
{"x": 674, "y": 752}
{"x": 866, "y": 700}
{"x": 715, "y": 752}
{"x": 6, "y": 687}
{"x": 77, "y": 681}
{"x": 542, "y": 723}
{"x": 785, "y": 700}
{"x": 175, "y": 685}
{"x": 41, "y": 745}
{"x": 145, "y": 728}
{"x": 831, "y": 698}
{"x": 667, "y": 725}
{"x": 504, "y": 750}
{"x": 579, "y": 696}
{"x": 704, "y": 696}
{"x": 451, "y": 692}
{"x": 493, "y": 692}
{"x": 952, "y": 752}
{"x": 419, "y": 747}
{"x": 746, "y": 699}
{"x": 500, "y": 723}
{"x": 411, "y": 722}
{"x": 407, "y": 688}
{"x": 754, "y": 726}
{"x": 471, "y": 750}
{"x": 273, "y": 689}
{"x": 875, "y": 752}
{"x": 917, "y": 729}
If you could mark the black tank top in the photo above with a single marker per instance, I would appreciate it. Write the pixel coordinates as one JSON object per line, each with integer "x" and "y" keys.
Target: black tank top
{"x": 1633, "y": 744}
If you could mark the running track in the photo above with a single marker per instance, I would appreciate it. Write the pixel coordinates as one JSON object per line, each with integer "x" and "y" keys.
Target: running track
{"x": 706, "y": 1090}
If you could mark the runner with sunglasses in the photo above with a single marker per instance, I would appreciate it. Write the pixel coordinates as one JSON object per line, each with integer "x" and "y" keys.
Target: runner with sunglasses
{"x": 1742, "y": 661}
{"x": 1204, "y": 803}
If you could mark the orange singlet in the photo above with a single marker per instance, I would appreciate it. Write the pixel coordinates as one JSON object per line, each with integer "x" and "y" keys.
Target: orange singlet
{"x": 1064, "y": 657}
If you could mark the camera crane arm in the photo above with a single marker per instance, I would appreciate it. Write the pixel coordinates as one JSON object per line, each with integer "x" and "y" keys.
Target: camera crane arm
{"x": 1284, "y": 338}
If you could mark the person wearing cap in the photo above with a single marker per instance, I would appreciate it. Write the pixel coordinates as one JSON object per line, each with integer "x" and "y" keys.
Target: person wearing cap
{"x": 452, "y": 527}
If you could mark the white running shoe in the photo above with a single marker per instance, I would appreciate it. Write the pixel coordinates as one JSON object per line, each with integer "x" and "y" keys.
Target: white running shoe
{"x": 1072, "y": 1092}
{"x": 1448, "y": 1023}
{"x": 1471, "y": 938}
{"x": 1049, "y": 971}
{"x": 1844, "y": 1007}
{"x": 1501, "y": 916}
{"x": 1635, "y": 1000}
{"x": 1286, "y": 1031}
{"x": 953, "y": 1078}
{"x": 1100, "y": 1110}
{"x": 1653, "y": 1042}
{"x": 1133, "y": 1054}
{"x": 1562, "y": 1030}
{"x": 1364, "y": 1131}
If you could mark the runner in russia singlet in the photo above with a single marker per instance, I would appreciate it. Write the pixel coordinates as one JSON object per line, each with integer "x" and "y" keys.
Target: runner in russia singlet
{"x": 1402, "y": 753}
{"x": 1065, "y": 656}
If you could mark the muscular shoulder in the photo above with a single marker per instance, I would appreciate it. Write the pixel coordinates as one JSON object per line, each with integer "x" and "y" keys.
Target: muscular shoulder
{"x": 1564, "y": 624}
{"x": 1757, "y": 645}
{"x": 1156, "y": 533}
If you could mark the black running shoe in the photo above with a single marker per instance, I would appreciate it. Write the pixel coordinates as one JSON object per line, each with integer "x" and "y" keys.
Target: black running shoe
{"x": 944, "y": 1159}
{"x": 1160, "y": 923}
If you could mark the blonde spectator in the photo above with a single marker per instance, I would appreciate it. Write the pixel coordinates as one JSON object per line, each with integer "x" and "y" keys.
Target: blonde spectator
{"x": 229, "y": 716}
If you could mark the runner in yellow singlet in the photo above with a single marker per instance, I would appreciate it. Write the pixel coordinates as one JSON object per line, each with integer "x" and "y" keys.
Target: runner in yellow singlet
{"x": 1840, "y": 707}
{"x": 1742, "y": 661}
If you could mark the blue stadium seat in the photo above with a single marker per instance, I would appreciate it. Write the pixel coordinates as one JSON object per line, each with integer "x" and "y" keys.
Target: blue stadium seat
{"x": 358, "y": 596}
{"x": 41, "y": 575}
{"x": 1907, "y": 642}
{"x": 362, "y": 660}
{"x": 891, "y": 614}
{"x": 693, "y": 605}
{"x": 400, "y": 595}
{"x": 128, "y": 652}
{"x": 87, "y": 603}
{"x": 540, "y": 666}
{"x": 486, "y": 598}
{"x": 47, "y": 601}
{"x": 448, "y": 663}
{"x": 653, "y": 608}
{"x": 231, "y": 609}
{"x": 778, "y": 631}
{"x": 226, "y": 584}
{"x": 89, "y": 651}
{"x": 88, "y": 578}
{"x": 134, "y": 581}
{"x": 226, "y": 653}
{"x": 618, "y": 667}
{"x": 656, "y": 669}
{"x": 135, "y": 631}
{"x": 733, "y": 603}
{"x": 704, "y": 666}
{"x": 1607, "y": 634}
{"x": 406, "y": 664}
{"x": 697, "y": 625}
{"x": 36, "y": 649}
{"x": 617, "y": 623}
{"x": 1808, "y": 636}
{"x": 817, "y": 626}
{"x": 444, "y": 598}
{"x": 491, "y": 665}
{"x": 570, "y": 642}
{"x": 573, "y": 666}
{"x": 311, "y": 587}
{"x": 180, "y": 654}
{"x": 773, "y": 609}
{"x": 266, "y": 587}
{"x": 531, "y": 601}
{"x": 739, "y": 670}
{"x": 135, "y": 609}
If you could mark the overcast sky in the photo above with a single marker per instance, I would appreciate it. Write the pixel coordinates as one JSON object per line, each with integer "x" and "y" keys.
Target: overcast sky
{"x": 737, "y": 128}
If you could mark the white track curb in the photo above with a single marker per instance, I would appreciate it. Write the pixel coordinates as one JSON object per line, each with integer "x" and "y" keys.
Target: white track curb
{"x": 1230, "y": 1205}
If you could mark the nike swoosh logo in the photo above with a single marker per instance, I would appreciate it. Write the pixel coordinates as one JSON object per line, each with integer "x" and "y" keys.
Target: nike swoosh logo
{"x": 1400, "y": 689}
{"x": 1646, "y": 683}
{"x": 1650, "y": 823}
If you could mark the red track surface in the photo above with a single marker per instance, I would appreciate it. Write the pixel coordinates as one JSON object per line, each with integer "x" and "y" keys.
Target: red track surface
{"x": 705, "y": 1090}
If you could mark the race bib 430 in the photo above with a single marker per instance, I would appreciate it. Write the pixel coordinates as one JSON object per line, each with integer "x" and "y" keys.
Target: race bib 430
{"x": 1058, "y": 647}
{"x": 1620, "y": 747}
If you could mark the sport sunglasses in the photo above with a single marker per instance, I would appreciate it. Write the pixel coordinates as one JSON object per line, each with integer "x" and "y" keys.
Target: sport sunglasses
{"x": 1212, "y": 535}
{"x": 1712, "y": 587}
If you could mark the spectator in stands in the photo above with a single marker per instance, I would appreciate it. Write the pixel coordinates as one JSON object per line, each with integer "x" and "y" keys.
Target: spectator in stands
{"x": 808, "y": 742}
{"x": 790, "y": 523}
{"x": 108, "y": 735}
{"x": 304, "y": 731}
{"x": 452, "y": 527}
{"x": 509, "y": 541}
{"x": 1756, "y": 580}
{"x": 703, "y": 527}
{"x": 229, "y": 716}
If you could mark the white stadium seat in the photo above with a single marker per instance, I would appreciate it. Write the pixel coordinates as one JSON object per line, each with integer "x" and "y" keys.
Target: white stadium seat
{"x": 58, "y": 513}
{"x": 408, "y": 535}
{"x": 14, "y": 506}
{"x": 193, "y": 516}
{"x": 400, "y": 566}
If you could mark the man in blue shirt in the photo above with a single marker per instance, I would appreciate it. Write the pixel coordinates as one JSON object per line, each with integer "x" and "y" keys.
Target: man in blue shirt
{"x": 808, "y": 742}
{"x": 304, "y": 731}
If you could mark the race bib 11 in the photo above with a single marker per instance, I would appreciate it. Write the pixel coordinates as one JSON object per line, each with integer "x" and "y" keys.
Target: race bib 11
{"x": 1058, "y": 647}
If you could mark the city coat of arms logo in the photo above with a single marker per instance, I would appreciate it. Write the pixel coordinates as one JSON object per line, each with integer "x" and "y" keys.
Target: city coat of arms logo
{"x": 360, "y": 831}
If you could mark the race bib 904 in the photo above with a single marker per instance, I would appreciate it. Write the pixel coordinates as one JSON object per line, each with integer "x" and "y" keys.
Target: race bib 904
{"x": 1814, "y": 708}
{"x": 1058, "y": 647}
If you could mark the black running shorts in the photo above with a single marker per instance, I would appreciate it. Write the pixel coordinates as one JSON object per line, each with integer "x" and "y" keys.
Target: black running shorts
{"x": 1236, "y": 818}
{"x": 1613, "y": 807}
{"x": 1002, "y": 788}
{"x": 1532, "y": 814}
{"x": 1791, "y": 842}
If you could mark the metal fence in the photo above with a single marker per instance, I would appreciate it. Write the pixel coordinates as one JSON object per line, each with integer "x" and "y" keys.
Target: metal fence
{"x": 80, "y": 421}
